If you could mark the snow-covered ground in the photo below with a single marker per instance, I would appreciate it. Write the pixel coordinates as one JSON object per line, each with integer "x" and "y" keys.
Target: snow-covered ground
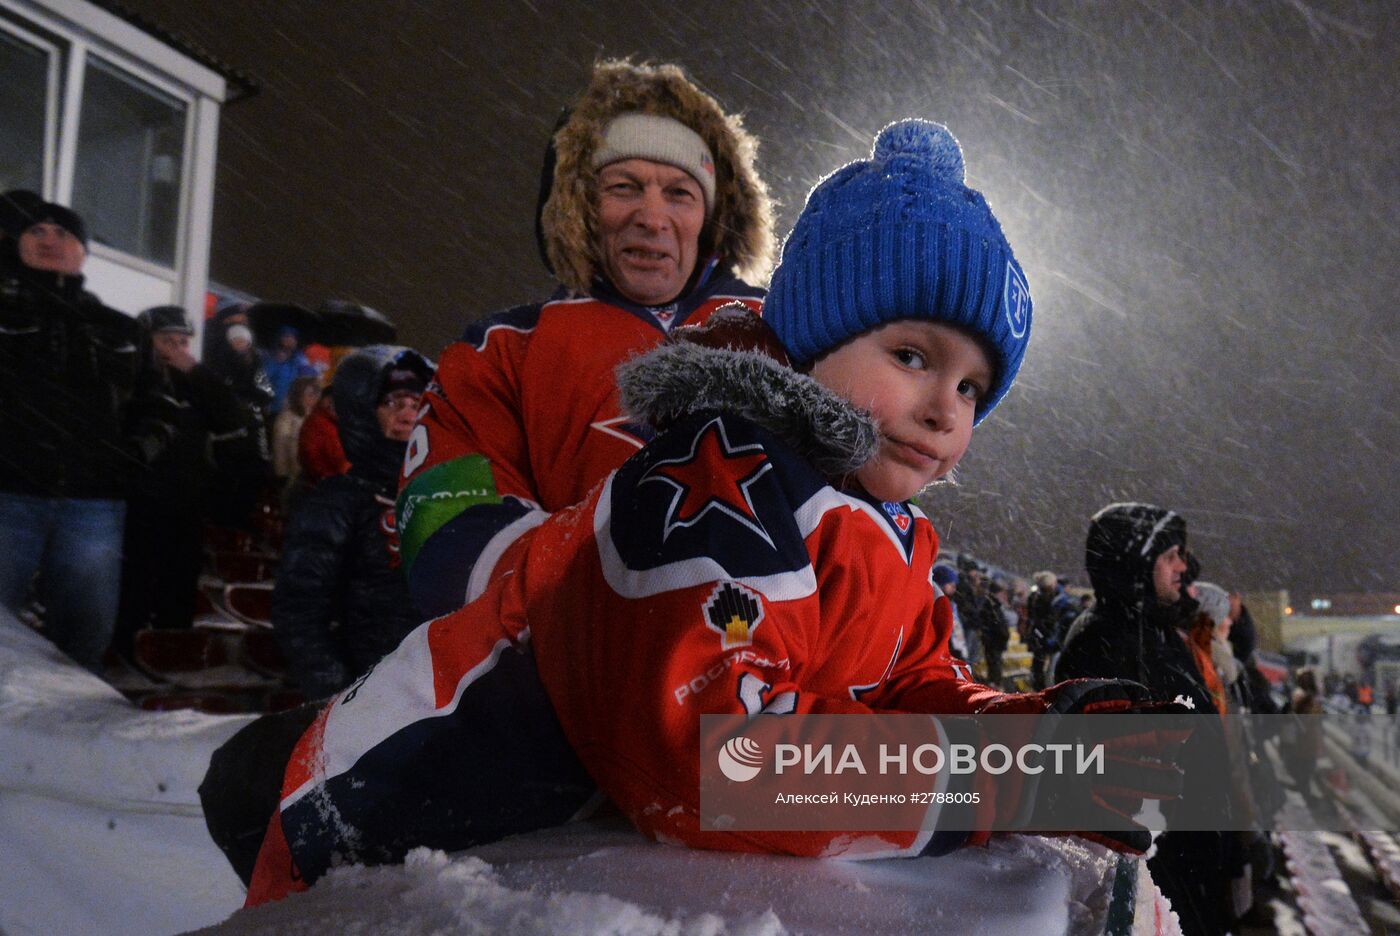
{"x": 101, "y": 832}
{"x": 100, "y": 825}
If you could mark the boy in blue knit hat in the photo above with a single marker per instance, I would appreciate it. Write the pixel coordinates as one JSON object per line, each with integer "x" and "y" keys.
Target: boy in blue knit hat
{"x": 759, "y": 556}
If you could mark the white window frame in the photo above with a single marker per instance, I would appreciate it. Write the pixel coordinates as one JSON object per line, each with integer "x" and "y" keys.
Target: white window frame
{"x": 87, "y": 28}
{"x": 52, "y": 98}
{"x": 186, "y": 159}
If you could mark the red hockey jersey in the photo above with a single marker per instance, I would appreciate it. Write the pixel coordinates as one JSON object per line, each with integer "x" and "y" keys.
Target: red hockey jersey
{"x": 522, "y": 420}
{"x": 716, "y": 572}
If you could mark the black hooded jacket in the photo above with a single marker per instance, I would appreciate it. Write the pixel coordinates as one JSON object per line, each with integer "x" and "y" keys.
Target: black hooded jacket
{"x": 341, "y": 601}
{"x": 1128, "y": 634}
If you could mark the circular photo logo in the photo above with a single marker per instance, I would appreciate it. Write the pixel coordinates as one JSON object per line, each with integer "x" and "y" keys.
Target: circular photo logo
{"x": 740, "y": 759}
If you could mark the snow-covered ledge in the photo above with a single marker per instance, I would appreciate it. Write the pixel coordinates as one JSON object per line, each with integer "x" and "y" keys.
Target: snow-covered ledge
{"x": 101, "y": 832}
{"x": 100, "y": 826}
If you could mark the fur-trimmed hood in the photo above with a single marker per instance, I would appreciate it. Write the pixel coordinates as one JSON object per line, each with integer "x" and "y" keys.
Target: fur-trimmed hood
{"x": 680, "y": 378}
{"x": 740, "y": 228}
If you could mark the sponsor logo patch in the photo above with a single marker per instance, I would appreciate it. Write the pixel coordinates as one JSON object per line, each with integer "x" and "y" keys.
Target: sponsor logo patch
{"x": 734, "y": 612}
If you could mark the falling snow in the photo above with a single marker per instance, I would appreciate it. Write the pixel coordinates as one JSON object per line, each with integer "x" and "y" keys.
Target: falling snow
{"x": 1201, "y": 195}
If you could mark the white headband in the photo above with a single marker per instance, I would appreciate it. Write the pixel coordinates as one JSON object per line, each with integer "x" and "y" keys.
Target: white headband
{"x": 660, "y": 139}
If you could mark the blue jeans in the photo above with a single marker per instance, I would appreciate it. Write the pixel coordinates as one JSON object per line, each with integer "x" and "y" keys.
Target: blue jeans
{"x": 75, "y": 546}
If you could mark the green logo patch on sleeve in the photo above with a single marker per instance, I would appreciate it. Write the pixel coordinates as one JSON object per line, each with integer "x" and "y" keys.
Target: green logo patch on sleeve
{"x": 437, "y": 496}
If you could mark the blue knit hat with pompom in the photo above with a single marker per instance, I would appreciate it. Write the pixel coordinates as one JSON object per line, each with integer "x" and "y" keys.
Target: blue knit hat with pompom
{"x": 901, "y": 236}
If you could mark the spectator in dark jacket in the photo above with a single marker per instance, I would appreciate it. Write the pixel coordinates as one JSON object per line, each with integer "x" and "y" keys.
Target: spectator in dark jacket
{"x": 67, "y": 371}
{"x": 1051, "y": 612}
{"x": 165, "y": 512}
{"x": 1136, "y": 558}
{"x": 340, "y": 601}
{"x": 969, "y": 600}
{"x": 997, "y": 622}
{"x": 243, "y": 462}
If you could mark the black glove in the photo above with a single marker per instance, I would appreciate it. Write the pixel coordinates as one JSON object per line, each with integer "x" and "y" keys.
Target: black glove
{"x": 1137, "y": 764}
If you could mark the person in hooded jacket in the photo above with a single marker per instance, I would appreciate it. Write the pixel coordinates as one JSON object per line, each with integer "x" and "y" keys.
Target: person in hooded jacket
{"x": 340, "y": 602}
{"x": 1137, "y": 561}
{"x": 769, "y": 497}
{"x": 651, "y": 215}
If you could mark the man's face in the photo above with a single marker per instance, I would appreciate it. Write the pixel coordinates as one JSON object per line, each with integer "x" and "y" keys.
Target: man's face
{"x": 46, "y": 246}
{"x": 1166, "y": 575}
{"x": 169, "y": 346}
{"x": 921, "y": 381}
{"x": 649, "y": 221}
{"x": 396, "y": 414}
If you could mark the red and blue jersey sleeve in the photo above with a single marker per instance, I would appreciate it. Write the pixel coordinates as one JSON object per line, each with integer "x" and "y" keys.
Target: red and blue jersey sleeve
{"x": 523, "y": 420}
{"x": 466, "y": 474}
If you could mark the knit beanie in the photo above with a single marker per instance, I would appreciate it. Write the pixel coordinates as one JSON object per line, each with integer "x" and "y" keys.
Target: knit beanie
{"x": 900, "y": 236}
{"x": 64, "y": 217}
{"x": 944, "y": 575}
{"x": 660, "y": 139}
{"x": 17, "y": 207}
{"x": 1214, "y": 600}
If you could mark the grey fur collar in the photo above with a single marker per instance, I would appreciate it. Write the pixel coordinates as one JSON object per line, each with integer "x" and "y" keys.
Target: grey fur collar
{"x": 678, "y": 379}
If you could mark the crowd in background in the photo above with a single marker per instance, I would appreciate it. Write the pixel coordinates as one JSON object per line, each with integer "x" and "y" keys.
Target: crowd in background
{"x": 121, "y": 449}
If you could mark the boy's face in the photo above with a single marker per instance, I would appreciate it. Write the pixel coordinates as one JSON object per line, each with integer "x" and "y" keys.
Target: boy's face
{"x": 921, "y": 381}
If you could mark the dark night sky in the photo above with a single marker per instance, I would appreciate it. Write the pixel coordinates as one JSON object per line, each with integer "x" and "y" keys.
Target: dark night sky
{"x": 1203, "y": 197}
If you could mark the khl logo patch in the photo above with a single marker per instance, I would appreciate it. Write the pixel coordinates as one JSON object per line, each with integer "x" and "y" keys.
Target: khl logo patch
{"x": 899, "y": 515}
{"x": 1016, "y": 301}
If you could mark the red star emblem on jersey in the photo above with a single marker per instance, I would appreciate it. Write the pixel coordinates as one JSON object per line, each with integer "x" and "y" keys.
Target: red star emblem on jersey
{"x": 713, "y": 476}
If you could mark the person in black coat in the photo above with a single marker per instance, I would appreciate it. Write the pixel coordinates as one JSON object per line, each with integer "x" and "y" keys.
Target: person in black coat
{"x": 68, "y": 366}
{"x": 1137, "y": 561}
{"x": 340, "y": 601}
{"x": 167, "y": 505}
